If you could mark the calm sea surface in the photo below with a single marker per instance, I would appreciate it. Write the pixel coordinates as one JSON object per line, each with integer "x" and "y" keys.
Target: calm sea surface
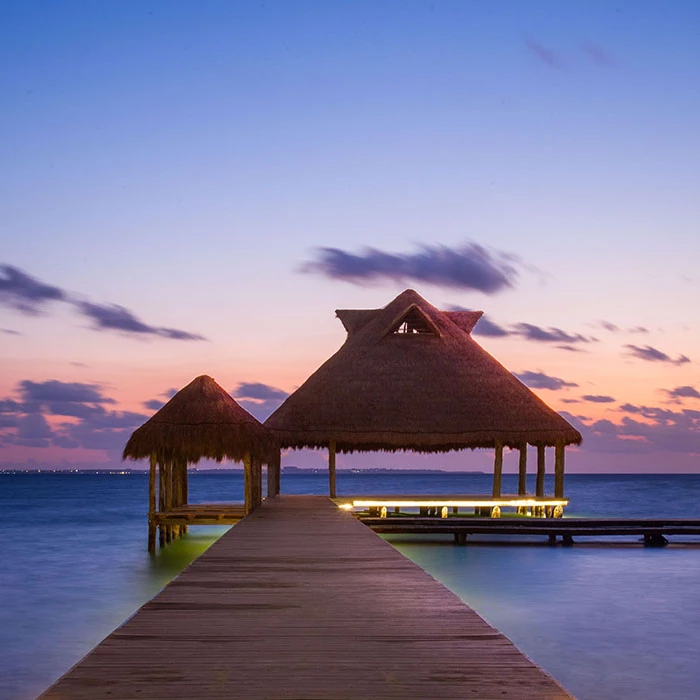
{"x": 610, "y": 622}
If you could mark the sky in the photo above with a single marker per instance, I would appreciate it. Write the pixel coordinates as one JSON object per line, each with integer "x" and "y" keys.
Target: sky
{"x": 193, "y": 188}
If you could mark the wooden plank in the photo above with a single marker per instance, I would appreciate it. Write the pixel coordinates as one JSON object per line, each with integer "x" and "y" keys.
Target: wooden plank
{"x": 300, "y": 600}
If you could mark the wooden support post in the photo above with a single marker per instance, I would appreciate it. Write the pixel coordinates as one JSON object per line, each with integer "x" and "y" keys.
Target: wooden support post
{"x": 498, "y": 470}
{"x": 539, "y": 489}
{"x": 256, "y": 468}
{"x": 273, "y": 475}
{"x": 161, "y": 501}
{"x": 247, "y": 483}
{"x": 522, "y": 470}
{"x": 559, "y": 470}
{"x": 331, "y": 468}
{"x": 152, "y": 505}
{"x": 168, "y": 498}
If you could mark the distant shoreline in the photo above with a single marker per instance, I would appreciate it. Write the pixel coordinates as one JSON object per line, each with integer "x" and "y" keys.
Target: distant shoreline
{"x": 285, "y": 470}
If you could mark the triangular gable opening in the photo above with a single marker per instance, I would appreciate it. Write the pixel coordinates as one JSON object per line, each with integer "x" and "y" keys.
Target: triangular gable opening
{"x": 414, "y": 322}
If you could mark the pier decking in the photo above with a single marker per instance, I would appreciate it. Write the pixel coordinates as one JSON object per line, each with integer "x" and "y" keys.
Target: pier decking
{"x": 301, "y": 600}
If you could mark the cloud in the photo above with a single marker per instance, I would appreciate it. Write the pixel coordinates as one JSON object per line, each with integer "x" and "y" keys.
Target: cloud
{"x": 650, "y": 430}
{"x": 597, "y": 54}
{"x": 25, "y": 293}
{"x": 540, "y": 380}
{"x": 115, "y": 317}
{"x": 569, "y": 348}
{"x": 153, "y": 404}
{"x": 9, "y": 331}
{"x": 612, "y": 328}
{"x": 548, "y": 335}
{"x": 469, "y": 267}
{"x": 20, "y": 291}
{"x": 653, "y": 355}
{"x": 57, "y": 391}
{"x": 683, "y": 392}
{"x": 598, "y": 398}
{"x": 8, "y": 420}
{"x": 33, "y": 427}
{"x": 260, "y": 400}
{"x": 488, "y": 328}
{"x": 546, "y": 56}
{"x": 257, "y": 390}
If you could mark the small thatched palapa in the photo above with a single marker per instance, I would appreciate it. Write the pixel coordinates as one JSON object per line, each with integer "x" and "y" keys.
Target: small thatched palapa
{"x": 202, "y": 421}
{"x": 411, "y": 377}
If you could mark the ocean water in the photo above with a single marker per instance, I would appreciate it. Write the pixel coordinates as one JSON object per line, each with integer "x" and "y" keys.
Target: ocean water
{"x": 609, "y": 621}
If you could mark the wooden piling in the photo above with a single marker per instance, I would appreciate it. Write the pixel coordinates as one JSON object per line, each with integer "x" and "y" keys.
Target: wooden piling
{"x": 522, "y": 470}
{"x": 331, "y": 468}
{"x": 539, "y": 489}
{"x": 273, "y": 476}
{"x": 248, "y": 483}
{"x": 559, "y": 470}
{"x": 498, "y": 470}
{"x": 152, "y": 504}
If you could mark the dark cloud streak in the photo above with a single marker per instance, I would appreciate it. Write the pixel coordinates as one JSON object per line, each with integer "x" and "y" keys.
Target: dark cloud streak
{"x": 469, "y": 267}
{"x": 651, "y": 354}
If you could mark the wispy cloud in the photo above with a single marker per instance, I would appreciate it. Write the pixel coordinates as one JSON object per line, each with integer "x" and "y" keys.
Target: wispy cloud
{"x": 651, "y": 354}
{"x": 470, "y": 266}
{"x": 486, "y": 327}
{"x": 259, "y": 399}
{"x": 25, "y": 293}
{"x": 612, "y": 328}
{"x": 9, "y": 331}
{"x": 598, "y": 398}
{"x": 683, "y": 392}
{"x": 540, "y": 380}
{"x": 543, "y": 54}
{"x": 115, "y": 317}
{"x": 548, "y": 335}
{"x": 258, "y": 390}
{"x": 25, "y": 422}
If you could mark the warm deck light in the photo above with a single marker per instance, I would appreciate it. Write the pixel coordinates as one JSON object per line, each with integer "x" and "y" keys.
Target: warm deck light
{"x": 455, "y": 503}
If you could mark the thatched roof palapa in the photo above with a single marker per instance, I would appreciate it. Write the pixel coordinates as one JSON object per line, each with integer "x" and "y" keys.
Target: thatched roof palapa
{"x": 202, "y": 421}
{"x": 411, "y": 377}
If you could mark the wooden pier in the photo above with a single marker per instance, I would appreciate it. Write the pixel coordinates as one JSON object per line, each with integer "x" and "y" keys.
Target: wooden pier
{"x": 301, "y": 600}
{"x": 652, "y": 531}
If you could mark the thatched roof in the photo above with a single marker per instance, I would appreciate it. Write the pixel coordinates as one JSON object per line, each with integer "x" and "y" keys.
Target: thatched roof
{"x": 201, "y": 420}
{"x": 410, "y": 376}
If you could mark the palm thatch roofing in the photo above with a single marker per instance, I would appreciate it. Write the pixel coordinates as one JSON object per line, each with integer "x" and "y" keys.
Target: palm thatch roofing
{"x": 411, "y": 377}
{"x": 202, "y": 420}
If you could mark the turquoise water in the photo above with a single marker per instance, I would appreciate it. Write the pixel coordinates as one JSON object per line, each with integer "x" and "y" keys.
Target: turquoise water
{"x": 608, "y": 621}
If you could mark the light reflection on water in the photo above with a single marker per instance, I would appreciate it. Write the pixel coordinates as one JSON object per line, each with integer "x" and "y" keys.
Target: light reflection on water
{"x": 609, "y": 623}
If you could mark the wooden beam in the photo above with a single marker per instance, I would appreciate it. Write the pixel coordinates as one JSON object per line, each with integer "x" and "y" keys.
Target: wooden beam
{"x": 498, "y": 470}
{"x": 522, "y": 470}
{"x": 559, "y": 470}
{"x": 539, "y": 490}
{"x": 331, "y": 468}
